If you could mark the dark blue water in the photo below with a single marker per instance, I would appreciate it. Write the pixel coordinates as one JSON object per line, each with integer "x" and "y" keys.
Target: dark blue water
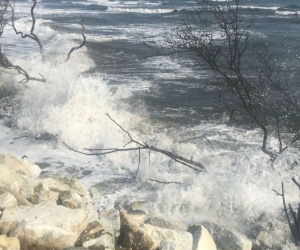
{"x": 174, "y": 88}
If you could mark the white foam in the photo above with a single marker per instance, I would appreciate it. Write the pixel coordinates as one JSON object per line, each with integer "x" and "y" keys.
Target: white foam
{"x": 287, "y": 13}
{"x": 139, "y": 10}
{"x": 259, "y": 7}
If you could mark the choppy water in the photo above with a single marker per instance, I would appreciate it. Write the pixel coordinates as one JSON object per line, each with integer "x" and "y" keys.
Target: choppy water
{"x": 166, "y": 101}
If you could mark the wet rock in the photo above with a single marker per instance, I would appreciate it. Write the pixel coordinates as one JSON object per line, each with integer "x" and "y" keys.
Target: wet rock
{"x": 142, "y": 206}
{"x": 138, "y": 216}
{"x": 44, "y": 226}
{"x": 201, "y": 238}
{"x": 113, "y": 217}
{"x": 87, "y": 172}
{"x": 132, "y": 236}
{"x": 69, "y": 199}
{"x": 9, "y": 243}
{"x": 94, "y": 193}
{"x": 72, "y": 170}
{"x": 7, "y": 200}
{"x": 42, "y": 165}
{"x": 226, "y": 239}
{"x": 183, "y": 239}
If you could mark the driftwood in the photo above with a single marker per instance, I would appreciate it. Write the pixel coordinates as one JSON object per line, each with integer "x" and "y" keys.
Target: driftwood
{"x": 196, "y": 166}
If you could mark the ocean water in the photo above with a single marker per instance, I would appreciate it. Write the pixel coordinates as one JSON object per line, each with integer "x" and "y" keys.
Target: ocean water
{"x": 166, "y": 101}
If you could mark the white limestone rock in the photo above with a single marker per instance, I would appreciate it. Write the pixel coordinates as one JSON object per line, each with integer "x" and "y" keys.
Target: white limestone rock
{"x": 45, "y": 226}
{"x": 61, "y": 183}
{"x": 202, "y": 238}
{"x": 105, "y": 241}
{"x": 9, "y": 243}
{"x": 167, "y": 245}
{"x": 21, "y": 166}
{"x": 183, "y": 239}
{"x": 7, "y": 200}
{"x": 12, "y": 182}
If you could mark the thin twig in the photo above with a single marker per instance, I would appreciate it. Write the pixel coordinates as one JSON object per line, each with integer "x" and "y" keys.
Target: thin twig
{"x": 165, "y": 182}
{"x": 81, "y": 45}
{"x": 196, "y": 166}
{"x": 294, "y": 180}
{"x": 138, "y": 168}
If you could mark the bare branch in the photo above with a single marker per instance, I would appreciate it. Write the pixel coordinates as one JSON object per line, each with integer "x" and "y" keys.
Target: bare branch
{"x": 165, "y": 182}
{"x": 32, "y": 35}
{"x": 142, "y": 146}
{"x": 81, "y": 45}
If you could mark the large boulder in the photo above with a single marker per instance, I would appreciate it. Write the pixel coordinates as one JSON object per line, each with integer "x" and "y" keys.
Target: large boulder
{"x": 45, "y": 225}
{"x": 9, "y": 243}
{"x": 21, "y": 166}
{"x": 202, "y": 238}
{"x": 12, "y": 182}
{"x": 132, "y": 236}
{"x": 226, "y": 239}
{"x": 7, "y": 200}
{"x": 183, "y": 239}
{"x": 71, "y": 193}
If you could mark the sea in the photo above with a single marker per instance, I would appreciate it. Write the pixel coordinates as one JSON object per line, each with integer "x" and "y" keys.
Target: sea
{"x": 167, "y": 101}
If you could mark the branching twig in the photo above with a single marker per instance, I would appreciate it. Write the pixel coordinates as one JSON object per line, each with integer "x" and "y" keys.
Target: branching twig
{"x": 285, "y": 209}
{"x": 32, "y": 35}
{"x": 142, "y": 146}
{"x": 81, "y": 45}
{"x": 165, "y": 182}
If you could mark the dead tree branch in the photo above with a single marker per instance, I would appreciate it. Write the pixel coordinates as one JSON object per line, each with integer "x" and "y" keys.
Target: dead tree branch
{"x": 81, "y": 45}
{"x": 165, "y": 182}
{"x": 32, "y": 35}
{"x": 252, "y": 78}
{"x": 6, "y": 64}
{"x": 285, "y": 209}
{"x": 141, "y": 146}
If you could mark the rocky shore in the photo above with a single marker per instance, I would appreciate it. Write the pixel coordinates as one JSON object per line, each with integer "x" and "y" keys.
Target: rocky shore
{"x": 50, "y": 211}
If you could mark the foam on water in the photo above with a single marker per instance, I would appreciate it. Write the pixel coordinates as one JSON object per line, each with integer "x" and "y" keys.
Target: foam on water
{"x": 139, "y": 10}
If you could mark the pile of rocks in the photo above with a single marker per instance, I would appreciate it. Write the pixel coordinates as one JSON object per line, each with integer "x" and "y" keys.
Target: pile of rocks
{"x": 51, "y": 211}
